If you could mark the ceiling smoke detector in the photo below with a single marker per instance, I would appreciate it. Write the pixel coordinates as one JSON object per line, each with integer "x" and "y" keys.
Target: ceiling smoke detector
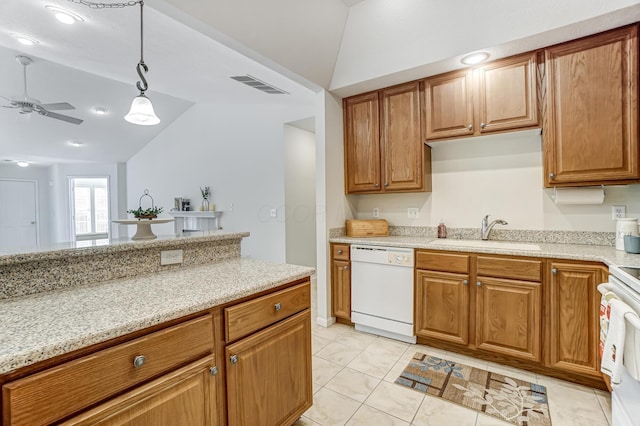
{"x": 259, "y": 84}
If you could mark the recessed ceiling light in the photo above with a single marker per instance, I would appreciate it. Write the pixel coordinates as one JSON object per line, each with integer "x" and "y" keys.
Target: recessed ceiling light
{"x": 22, "y": 163}
{"x": 65, "y": 16}
{"x": 99, "y": 110}
{"x": 475, "y": 58}
{"x": 75, "y": 143}
{"x": 25, "y": 40}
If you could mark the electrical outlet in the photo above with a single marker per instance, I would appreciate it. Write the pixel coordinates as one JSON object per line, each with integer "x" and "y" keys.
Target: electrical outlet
{"x": 376, "y": 212}
{"x": 618, "y": 212}
{"x": 231, "y": 207}
{"x": 273, "y": 213}
{"x": 170, "y": 257}
{"x": 413, "y": 213}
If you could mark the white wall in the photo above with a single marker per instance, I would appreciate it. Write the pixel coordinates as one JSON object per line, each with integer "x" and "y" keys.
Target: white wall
{"x": 499, "y": 175}
{"x": 333, "y": 207}
{"x": 237, "y": 150}
{"x": 417, "y": 38}
{"x": 40, "y": 175}
{"x": 300, "y": 196}
{"x": 60, "y": 215}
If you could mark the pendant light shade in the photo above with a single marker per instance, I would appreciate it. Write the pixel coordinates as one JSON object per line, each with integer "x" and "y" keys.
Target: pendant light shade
{"x": 142, "y": 112}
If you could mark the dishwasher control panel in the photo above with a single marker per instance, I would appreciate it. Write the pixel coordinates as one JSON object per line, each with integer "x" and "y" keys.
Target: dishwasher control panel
{"x": 401, "y": 259}
{"x": 396, "y": 256}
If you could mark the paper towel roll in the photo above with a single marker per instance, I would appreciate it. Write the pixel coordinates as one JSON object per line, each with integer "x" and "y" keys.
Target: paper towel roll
{"x": 586, "y": 195}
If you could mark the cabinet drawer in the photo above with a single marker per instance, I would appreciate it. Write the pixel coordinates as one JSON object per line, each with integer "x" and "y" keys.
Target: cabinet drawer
{"x": 245, "y": 318}
{"x": 340, "y": 251}
{"x": 446, "y": 262}
{"x": 517, "y": 269}
{"x": 50, "y": 395}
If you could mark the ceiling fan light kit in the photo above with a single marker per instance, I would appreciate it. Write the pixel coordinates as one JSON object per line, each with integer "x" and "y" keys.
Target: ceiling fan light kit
{"x": 141, "y": 111}
{"x": 26, "y": 104}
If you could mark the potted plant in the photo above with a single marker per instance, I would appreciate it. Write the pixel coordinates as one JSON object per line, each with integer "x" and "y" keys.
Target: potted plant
{"x": 150, "y": 213}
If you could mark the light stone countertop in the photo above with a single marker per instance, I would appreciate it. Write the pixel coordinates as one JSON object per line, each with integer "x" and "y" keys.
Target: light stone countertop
{"x": 41, "y": 326}
{"x": 598, "y": 253}
{"x": 114, "y": 245}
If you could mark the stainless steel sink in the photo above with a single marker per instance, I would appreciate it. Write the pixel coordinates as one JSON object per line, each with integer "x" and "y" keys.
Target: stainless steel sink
{"x": 486, "y": 244}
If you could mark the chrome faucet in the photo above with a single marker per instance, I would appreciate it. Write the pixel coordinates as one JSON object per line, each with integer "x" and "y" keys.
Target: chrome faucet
{"x": 487, "y": 227}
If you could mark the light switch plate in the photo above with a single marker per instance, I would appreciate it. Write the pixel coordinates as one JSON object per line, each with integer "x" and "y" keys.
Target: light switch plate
{"x": 170, "y": 257}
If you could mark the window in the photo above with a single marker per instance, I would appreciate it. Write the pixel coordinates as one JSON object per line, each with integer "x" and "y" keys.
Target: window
{"x": 90, "y": 207}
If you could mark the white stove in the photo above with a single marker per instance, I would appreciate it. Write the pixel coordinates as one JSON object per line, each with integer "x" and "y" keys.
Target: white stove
{"x": 624, "y": 281}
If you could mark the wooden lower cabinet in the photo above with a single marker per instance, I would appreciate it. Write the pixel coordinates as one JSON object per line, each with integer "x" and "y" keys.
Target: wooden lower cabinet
{"x": 269, "y": 380}
{"x": 168, "y": 375}
{"x": 341, "y": 282}
{"x": 185, "y": 397}
{"x": 572, "y": 317}
{"x": 442, "y": 301}
{"x": 508, "y": 319}
{"x": 341, "y": 289}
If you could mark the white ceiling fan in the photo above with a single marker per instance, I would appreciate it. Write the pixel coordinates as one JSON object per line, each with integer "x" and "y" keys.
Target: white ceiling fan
{"x": 27, "y": 105}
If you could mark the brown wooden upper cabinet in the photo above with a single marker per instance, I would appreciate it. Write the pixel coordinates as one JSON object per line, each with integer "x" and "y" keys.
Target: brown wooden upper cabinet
{"x": 591, "y": 128}
{"x": 498, "y": 96}
{"x": 384, "y": 150}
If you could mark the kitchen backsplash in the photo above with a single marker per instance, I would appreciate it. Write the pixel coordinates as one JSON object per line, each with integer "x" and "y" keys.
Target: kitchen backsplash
{"x": 523, "y": 235}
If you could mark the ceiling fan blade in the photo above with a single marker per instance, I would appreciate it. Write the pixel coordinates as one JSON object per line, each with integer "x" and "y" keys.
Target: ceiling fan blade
{"x": 57, "y": 116}
{"x": 57, "y": 106}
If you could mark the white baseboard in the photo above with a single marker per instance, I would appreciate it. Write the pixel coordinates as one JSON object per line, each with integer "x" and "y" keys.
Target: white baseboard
{"x": 325, "y": 322}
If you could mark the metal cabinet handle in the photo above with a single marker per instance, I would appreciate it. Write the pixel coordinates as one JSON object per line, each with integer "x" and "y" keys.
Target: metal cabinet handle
{"x": 479, "y": 284}
{"x": 213, "y": 371}
{"x": 339, "y": 251}
{"x": 376, "y": 184}
{"x": 233, "y": 359}
{"x": 465, "y": 282}
{"x": 139, "y": 361}
{"x": 470, "y": 127}
{"x": 552, "y": 175}
{"x": 278, "y": 306}
{"x": 345, "y": 267}
{"x": 554, "y": 271}
{"x": 386, "y": 184}
{"x": 482, "y": 125}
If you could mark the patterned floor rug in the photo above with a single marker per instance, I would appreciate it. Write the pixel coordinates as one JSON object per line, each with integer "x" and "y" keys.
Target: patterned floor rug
{"x": 515, "y": 401}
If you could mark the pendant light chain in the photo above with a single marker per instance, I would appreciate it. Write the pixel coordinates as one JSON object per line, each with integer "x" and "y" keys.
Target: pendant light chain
{"x": 142, "y": 84}
{"x": 96, "y": 5}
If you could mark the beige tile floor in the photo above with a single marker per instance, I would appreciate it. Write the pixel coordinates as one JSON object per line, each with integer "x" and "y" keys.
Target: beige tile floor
{"x": 353, "y": 375}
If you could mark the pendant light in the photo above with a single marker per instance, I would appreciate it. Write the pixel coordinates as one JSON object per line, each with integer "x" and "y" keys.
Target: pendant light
{"x": 141, "y": 111}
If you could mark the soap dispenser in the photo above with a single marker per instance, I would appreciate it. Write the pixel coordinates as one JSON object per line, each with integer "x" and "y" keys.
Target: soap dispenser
{"x": 442, "y": 230}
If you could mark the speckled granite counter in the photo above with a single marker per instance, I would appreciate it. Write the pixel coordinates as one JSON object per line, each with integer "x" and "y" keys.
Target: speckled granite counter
{"x": 41, "y": 326}
{"x": 599, "y": 253}
{"x": 65, "y": 266}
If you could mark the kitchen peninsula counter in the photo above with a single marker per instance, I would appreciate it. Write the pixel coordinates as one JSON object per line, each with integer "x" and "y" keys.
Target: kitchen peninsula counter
{"x": 585, "y": 252}
{"x": 40, "y": 326}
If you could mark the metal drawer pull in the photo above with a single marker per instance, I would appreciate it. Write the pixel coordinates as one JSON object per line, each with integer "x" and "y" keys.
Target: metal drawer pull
{"x": 278, "y": 306}
{"x": 465, "y": 282}
{"x": 470, "y": 127}
{"x": 345, "y": 267}
{"x": 233, "y": 359}
{"x": 482, "y": 125}
{"x": 479, "y": 284}
{"x": 339, "y": 251}
{"x": 554, "y": 271}
{"x": 139, "y": 361}
{"x": 213, "y": 371}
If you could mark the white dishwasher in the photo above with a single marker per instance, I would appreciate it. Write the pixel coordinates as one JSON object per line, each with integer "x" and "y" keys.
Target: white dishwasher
{"x": 382, "y": 291}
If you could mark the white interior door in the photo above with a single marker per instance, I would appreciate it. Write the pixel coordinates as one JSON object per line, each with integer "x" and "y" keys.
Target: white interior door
{"x": 18, "y": 213}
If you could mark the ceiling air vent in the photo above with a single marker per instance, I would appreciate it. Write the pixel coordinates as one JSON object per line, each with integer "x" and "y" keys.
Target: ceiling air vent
{"x": 259, "y": 84}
